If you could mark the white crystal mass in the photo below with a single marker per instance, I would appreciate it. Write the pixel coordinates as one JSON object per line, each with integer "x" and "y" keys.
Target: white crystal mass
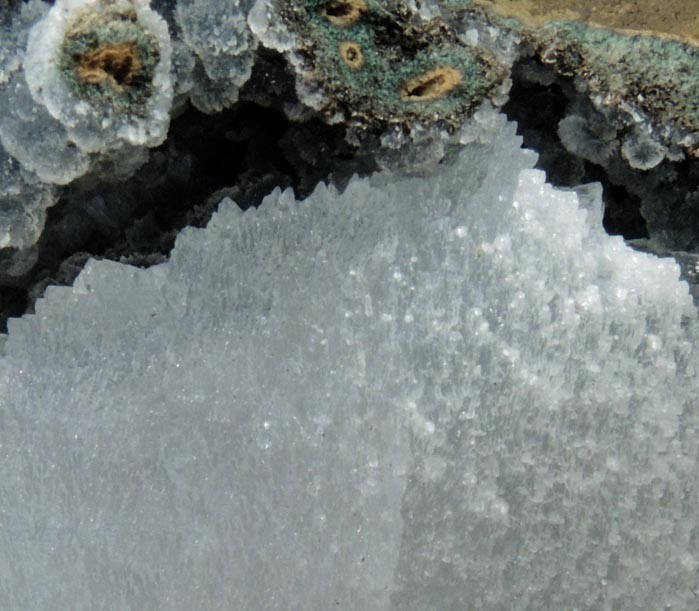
{"x": 435, "y": 394}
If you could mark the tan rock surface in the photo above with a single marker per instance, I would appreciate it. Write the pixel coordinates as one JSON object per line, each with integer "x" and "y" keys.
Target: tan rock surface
{"x": 667, "y": 18}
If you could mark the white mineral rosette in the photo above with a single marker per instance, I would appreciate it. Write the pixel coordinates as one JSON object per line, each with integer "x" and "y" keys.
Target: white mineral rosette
{"x": 102, "y": 68}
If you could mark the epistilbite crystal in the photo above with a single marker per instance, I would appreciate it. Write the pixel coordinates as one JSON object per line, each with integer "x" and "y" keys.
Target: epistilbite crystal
{"x": 444, "y": 393}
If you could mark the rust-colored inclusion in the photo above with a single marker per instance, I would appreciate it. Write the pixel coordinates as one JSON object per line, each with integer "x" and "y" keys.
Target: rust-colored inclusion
{"x": 352, "y": 55}
{"x": 665, "y": 18}
{"x": 344, "y": 13}
{"x": 117, "y": 64}
{"x": 433, "y": 85}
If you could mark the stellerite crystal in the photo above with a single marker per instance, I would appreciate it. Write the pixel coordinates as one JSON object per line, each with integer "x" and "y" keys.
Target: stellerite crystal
{"x": 445, "y": 393}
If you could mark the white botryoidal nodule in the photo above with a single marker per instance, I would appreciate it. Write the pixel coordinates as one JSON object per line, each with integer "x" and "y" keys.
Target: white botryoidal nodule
{"x": 14, "y": 29}
{"x": 23, "y": 204}
{"x": 218, "y": 34}
{"x": 103, "y": 69}
{"x": 28, "y": 132}
{"x": 268, "y": 27}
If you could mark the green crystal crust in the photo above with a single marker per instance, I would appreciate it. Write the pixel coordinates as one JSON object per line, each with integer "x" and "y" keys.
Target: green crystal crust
{"x": 397, "y": 51}
{"x": 654, "y": 74}
{"x": 354, "y": 59}
{"x": 123, "y": 80}
{"x": 660, "y": 76}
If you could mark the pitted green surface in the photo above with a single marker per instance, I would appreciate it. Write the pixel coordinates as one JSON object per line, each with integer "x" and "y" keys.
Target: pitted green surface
{"x": 396, "y": 50}
{"x": 656, "y": 74}
{"x": 660, "y": 76}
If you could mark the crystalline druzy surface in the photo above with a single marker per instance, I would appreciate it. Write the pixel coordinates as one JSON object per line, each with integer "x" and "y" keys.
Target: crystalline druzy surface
{"x": 445, "y": 393}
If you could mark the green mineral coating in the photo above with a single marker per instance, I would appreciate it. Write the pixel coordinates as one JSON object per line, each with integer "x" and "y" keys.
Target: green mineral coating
{"x": 395, "y": 52}
{"x": 656, "y": 74}
{"x": 91, "y": 31}
{"x": 659, "y": 75}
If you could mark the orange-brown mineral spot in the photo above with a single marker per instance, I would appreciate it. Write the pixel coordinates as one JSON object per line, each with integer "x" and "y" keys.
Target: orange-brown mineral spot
{"x": 433, "y": 85}
{"x": 344, "y": 13}
{"x": 677, "y": 19}
{"x": 352, "y": 55}
{"x": 117, "y": 64}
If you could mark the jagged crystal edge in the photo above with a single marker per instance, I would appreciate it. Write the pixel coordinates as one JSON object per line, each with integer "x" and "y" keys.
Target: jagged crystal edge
{"x": 452, "y": 392}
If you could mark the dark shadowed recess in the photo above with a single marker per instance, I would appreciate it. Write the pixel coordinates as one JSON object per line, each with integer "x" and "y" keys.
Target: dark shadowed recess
{"x": 655, "y": 210}
{"x": 245, "y": 152}
{"x": 242, "y": 153}
{"x": 537, "y": 109}
{"x": 658, "y": 203}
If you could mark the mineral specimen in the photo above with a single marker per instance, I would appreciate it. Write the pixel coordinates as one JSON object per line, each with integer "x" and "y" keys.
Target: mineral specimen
{"x": 445, "y": 393}
{"x": 430, "y": 382}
